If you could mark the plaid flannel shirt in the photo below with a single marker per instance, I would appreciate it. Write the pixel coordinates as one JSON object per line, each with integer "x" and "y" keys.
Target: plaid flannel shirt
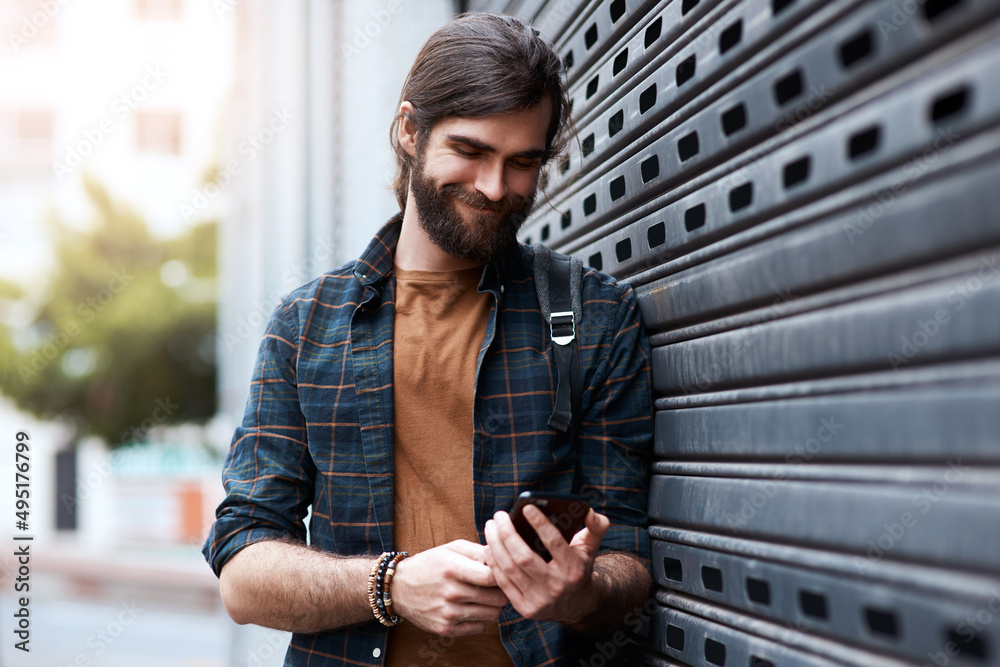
{"x": 318, "y": 430}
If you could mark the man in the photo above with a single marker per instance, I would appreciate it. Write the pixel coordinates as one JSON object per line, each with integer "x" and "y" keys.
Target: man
{"x": 405, "y": 398}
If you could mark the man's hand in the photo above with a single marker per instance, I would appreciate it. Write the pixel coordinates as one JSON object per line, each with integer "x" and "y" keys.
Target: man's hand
{"x": 448, "y": 590}
{"x": 561, "y": 590}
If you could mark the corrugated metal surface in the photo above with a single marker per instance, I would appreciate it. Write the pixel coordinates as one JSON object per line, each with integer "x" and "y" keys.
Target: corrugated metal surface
{"x": 804, "y": 195}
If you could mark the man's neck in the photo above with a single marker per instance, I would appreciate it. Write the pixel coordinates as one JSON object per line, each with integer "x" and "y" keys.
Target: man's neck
{"x": 416, "y": 252}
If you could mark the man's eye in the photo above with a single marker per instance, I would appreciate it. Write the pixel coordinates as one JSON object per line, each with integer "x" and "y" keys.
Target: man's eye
{"x": 465, "y": 153}
{"x": 525, "y": 164}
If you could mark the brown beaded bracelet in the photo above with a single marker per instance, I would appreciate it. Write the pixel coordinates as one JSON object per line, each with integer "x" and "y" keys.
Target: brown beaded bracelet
{"x": 387, "y": 594}
{"x": 378, "y": 587}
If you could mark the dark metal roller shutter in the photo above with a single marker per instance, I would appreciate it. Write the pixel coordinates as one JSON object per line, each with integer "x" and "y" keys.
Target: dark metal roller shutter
{"x": 805, "y": 195}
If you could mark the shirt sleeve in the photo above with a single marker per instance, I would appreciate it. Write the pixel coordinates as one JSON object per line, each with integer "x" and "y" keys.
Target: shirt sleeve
{"x": 269, "y": 473}
{"x": 616, "y": 432}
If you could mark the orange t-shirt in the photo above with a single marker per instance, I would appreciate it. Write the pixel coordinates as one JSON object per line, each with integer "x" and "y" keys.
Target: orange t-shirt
{"x": 439, "y": 327}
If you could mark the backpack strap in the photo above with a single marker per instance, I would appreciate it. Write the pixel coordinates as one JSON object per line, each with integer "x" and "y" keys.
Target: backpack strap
{"x": 557, "y": 282}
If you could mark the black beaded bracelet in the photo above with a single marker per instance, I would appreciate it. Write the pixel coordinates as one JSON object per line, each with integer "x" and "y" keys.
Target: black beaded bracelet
{"x": 378, "y": 587}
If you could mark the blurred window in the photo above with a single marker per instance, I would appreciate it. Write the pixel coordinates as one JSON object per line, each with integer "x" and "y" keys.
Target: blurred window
{"x": 30, "y": 23}
{"x": 34, "y": 132}
{"x": 158, "y": 132}
{"x": 158, "y": 10}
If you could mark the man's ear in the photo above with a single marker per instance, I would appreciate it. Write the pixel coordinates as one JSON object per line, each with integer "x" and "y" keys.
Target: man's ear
{"x": 406, "y": 131}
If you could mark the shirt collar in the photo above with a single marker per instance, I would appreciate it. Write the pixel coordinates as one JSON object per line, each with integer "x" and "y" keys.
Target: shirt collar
{"x": 375, "y": 262}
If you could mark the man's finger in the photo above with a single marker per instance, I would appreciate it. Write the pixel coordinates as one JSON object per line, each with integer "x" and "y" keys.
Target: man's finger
{"x": 595, "y": 526}
{"x": 476, "y": 552}
{"x": 546, "y": 530}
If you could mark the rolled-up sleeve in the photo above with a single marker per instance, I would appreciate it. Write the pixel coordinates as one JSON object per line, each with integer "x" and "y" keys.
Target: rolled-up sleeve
{"x": 616, "y": 433}
{"x": 269, "y": 474}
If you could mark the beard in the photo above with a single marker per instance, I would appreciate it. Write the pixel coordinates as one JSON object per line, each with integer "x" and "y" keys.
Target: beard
{"x": 481, "y": 240}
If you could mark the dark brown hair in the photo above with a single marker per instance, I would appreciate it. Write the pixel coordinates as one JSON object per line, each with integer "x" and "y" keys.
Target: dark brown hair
{"x": 480, "y": 64}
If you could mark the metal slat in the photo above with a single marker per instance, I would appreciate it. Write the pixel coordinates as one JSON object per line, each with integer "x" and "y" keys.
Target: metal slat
{"x": 895, "y": 619}
{"x": 921, "y": 423}
{"x": 945, "y": 318}
{"x": 751, "y": 640}
{"x": 682, "y": 635}
{"x": 783, "y": 174}
{"x": 603, "y": 27}
{"x": 945, "y": 523}
{"x": 919, "y": 578}
{"x": 680, "y": 152}
{"x": 609, "y": 97}
{"x": 949, "y": 213}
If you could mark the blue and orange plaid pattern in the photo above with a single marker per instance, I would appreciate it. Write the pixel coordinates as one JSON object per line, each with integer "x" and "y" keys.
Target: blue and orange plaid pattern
{"x": 318, "y": 430}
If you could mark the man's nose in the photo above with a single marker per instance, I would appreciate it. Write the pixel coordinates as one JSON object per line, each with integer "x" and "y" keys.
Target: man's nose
{"x": 491, "y": 181}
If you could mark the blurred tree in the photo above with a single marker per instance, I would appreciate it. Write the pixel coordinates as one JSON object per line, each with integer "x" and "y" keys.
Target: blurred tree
{"x": 124, "y": 337}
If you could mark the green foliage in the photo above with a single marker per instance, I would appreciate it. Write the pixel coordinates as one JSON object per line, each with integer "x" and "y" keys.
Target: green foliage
{"x": 113, "y": 349}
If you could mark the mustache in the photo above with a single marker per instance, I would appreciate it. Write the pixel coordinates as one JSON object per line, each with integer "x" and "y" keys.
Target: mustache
{"x": 509, "y": 204}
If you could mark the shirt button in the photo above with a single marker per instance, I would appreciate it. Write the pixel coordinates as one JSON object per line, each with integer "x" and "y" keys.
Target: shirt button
{"x": 376, "y": 652}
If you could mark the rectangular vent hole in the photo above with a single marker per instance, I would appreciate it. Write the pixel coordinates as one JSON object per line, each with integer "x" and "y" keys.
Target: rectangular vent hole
{"x": 856, "y": 49}
{"x": 647, "y": 99}
{"x": 617, "y": 188}
{"x": 617, "y": 10}
{"x": 568, "y": 61}
{"x": 650, "y": 168}
{"x": 778, "y": 6}
{"x": 621, "y": 60}
{"x": 788, "y": 88}
{"x": 588, "y": 145}
{"x": 864, "y": 142}
{"x": 948, "y": 105}
{"x": 740, "y": 197}
{"x": 813, "y": 604}
{"x": 757, "y": 661}
{"x": 675, "y": 637}
{"x": 672, "y": 568}
{"x": 882, "y": 622}
{"x": 969, "y": 645}
{"x": 564, "y": 164}
{"x": 796, "y": 172}
{"x": 653, "y": 32}
{"x": 734, "y": 120}
{"x": 590, "y": 204}
{"x": 687, "y": 147}
{"x": 616, "y": 123}
{"x": 758, "y": 591}
{"x": 623, "y": 250}
{"x": 715, "y": 652}
{"x": 731, "y": 36}
{"x": 711, "y": 577}
{"x": 687, "y": 6}
{"x": 595, "y": 261}
{"x": 694, "y": 218}
{"x": 656, "y": 236}
{"x": 567, "y": 220}
{"x": 685, "y": 70}
{"x": 545, "y": 233}
{"x": 592, "y": 86}
{"x": 590, "y": 37}
{"x": 935, "y": 9}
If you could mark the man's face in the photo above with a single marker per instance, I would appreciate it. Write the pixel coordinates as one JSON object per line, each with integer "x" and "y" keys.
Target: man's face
{"x": 474, "y": 181}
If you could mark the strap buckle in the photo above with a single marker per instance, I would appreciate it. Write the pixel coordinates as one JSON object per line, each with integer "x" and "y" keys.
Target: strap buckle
{"x": 562, "y": 327}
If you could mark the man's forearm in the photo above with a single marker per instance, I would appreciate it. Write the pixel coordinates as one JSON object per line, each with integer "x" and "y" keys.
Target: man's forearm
{"x": 621, "y": 584}
{"x": 289, "y": 586}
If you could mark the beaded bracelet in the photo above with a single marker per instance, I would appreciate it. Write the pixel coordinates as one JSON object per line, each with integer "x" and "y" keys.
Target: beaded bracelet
{"x": 387, "y": 595}
{"x": 378, "y": 587}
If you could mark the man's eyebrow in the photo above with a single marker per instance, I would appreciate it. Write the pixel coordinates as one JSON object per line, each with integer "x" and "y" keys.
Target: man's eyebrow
{"x": 531, "y": 154}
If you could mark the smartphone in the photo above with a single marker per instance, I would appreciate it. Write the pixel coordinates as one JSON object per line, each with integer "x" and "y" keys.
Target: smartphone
{"x": 565, "y": 511}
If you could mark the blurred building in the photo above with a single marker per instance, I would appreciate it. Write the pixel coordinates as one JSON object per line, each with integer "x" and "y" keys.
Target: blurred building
{"x": 309, "y": 168}
{"x": 127, "y": 92}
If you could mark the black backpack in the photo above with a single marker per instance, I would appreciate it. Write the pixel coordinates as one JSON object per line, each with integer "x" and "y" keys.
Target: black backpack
{"x": 557, "y": 283}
